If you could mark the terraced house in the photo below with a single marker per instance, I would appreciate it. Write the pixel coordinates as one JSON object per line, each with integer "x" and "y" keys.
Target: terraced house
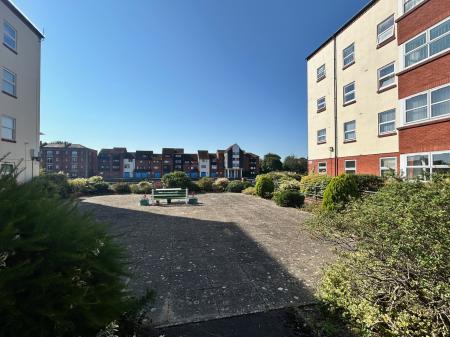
{"x": 379, "y": 92}
{"x": 20, "y": 71}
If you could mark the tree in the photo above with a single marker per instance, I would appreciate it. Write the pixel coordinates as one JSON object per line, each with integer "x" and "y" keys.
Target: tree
{"x": 294, "y": 164}
{"x": 271, "y": 162}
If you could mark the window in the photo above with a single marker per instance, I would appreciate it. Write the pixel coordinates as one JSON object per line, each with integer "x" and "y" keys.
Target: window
{"x": 322, "y": 136}
{"x": 386, "y": 76}
{"x": 386, "y": 122}
{"x": 322, "y": 168}
{"x": 349, "y": 131}
{"x": 49, "y": 153}
{"x": 50, "y": 167}
{"x": 9, "y": 36}
{"x": 9, "y": 82}
{"x": 321, "y": 73}
{"x": 349, "y": 93}
{"x": 321, "y": 104}
{"x": 50, "y": 160}
{"x": 388, "y": 166}
{"x": 434, "y": 41}
{"x": 349, "y": 55}
{"x": 410, "y": 4}
{"x": 350, "y": 166}
{"x": 6, "y": 169}
{"x": 431, "y": 104}
{"x": 385, "y": 30}
{"x": 8, "y": 128}
{"x": 422, "y": 165}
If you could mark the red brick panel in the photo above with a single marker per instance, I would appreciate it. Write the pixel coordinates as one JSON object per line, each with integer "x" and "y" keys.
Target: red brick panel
{"x": 425, "y": 138}
{"x": 430, "y": 75}
{"x": 425, "y": 16}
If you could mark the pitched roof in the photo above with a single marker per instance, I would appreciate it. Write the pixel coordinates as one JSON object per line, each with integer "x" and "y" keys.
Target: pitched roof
{"x": 13, "y": 8}
{"x": 60, "y": 145}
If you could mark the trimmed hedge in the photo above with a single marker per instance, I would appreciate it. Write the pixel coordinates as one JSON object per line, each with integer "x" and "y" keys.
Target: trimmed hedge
{"x": 264, "y": 186}
{"x": 340, "y": 191}
{"x": 289, "y": 198}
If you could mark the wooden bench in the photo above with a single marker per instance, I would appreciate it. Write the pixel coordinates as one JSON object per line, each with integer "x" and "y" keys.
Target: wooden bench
{"x": 170, "y": 193}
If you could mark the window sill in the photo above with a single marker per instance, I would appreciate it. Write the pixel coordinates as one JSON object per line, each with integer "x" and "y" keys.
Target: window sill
{"x": 349, "y": 103}
{"x": 424, "y": 123}
{"x": 8, "y": 140}
{"x": 320, "y": 143}
{"x": 348, "y": 65}
{"x": 386, "y": 42}
{"x": 350, "y": 141}
{"x": 387, "y": 88}
{"x": 13, "y": 50}
{"x": 321, "y": 110}
{"x": 320, "y": 79}
{"x": 10, "y": 95}
{"x": 387, "y": 134}
{"x": 404, "y": 15}
{"x": 424, "y": 62}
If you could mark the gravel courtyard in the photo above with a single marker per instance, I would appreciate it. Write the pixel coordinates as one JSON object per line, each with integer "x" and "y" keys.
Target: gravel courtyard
{"x": 232, "y": 254}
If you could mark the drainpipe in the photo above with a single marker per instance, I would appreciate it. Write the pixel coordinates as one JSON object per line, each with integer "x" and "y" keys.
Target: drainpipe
{"x": 336, "y": 169}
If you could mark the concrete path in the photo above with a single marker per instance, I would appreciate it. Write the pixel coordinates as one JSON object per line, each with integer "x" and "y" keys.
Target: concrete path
{"x": 234, "y": 254}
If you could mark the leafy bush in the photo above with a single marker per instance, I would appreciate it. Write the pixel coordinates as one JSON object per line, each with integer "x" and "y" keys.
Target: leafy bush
{"x": 193, "y": 187}
{"x": 340, "y": 191}
{"x": 309, "y": 183}
{"x": 395, "y": 281}
{"x": 236, "y": 186}
{"x": 78, "y": 185}
{"x": 369, "y": 182}
{"x": 264, "y": 186}
{"x": 249, "y": 190}
{"x": 121, "y": 188}
{"x": 289, "y": 185}
{"x": 143, "y": 187}
{"x": 92, "y": 186}
{"x": 54, "y": 183}
{"x": 289, "y": 198}
{"x": 176, "y": 180}
{"x": 205, "y": 184}
{"x": 61, "y": 274}
{"x": 220, "y": 184}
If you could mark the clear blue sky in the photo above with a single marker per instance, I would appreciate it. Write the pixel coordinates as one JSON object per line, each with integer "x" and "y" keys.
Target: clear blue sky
{"x": 198, "y": 74}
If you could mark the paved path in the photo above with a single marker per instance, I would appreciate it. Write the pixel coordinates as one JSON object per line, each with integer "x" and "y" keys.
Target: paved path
{"x": 233, "y": 254}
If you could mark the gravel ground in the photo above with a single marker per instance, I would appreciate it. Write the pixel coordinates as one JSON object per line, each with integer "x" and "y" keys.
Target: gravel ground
{"x": 230, "y": 255}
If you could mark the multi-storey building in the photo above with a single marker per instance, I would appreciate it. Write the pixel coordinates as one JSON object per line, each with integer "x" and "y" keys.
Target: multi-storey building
{"x": 190, "y": 165}
{"x": 129, "y": 165}
{"x": 204, "y": 163}
{"x": 143, "y": 165}
{"x": 372, "y": 104}
{"x": 20, "y": 58}
{"x": 75, "y": 160}
{"x": 251, "y": 165}
{"x": 111, "y": 161}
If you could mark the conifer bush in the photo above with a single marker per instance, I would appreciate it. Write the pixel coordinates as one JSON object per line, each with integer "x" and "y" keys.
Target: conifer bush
{"x": 176, "y": 179}
{"x": 340, "y": 191}
{"x": 289, "y": 198}
{"x": 60, "y": 273}
{"x": 264, "y": 186}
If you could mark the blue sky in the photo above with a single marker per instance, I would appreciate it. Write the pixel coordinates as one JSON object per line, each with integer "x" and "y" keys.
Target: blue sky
{"x": 198, "y": 74}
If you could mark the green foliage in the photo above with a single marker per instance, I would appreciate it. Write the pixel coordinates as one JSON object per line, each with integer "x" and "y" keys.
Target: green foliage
{"x": 54, "y": 183}
{"x": 193, "y": 187}
{"x": 249, "y": 190}
{"x": 121, "y": 188}
{"x": 309, "y": 183}
{"x": 369, "y": 182}
{"x": 271, "y": 162}
{"x": 264, "y": 186}
{"x": 205, "y": 184}
{"x": 176, "y": 180}
{"x": 92, "y": 186}
{"x": 143, "y": 187}
{"x": 289, "y": 185}
{"x": 288, "y": 198}
{"x": 294, "y": 164}
{"x": 237, "y": 186}
{"x": 394, "y": 282}
{"x": 220, "y": 184}
{"x": 340, "y": 191}
{"x": 61, "y": 274}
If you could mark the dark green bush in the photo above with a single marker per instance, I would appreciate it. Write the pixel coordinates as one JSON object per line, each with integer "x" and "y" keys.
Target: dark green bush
{"x": 92, "y": 186}
{"x": 340, "y": 191}
{"x": 176, "y": 180}
{"x": 369, "y": 182}
{"x": 143, "y": 187}
{"x": 235, "y": 186}
{"x": 121, "y": 188}
{"x": 395, "y": 281}
{"x": 205, "y": 184}
{"x": 193, "y": 187}
{"x": 60, "y": 273}
{"x": 288, "y": 198}
{"x": 54, "y": 183}
{"x": 264, "y": 186}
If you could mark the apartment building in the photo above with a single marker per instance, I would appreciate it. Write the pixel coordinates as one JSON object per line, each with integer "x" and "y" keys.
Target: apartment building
{"x": 363, "y": 113}
{"x": 20, "y": 63}
{"x": 75, "y": 160}
{"x": 204, "y": 163}
{"x": 111, "y": 162}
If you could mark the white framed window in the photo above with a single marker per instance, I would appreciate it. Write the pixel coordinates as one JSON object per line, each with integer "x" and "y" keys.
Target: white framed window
{"x": 49, "y": 167}
{"x": 321, "y": 104}
{"x": 321, "y": 136}
{"x": 433, "y": 41}
{"x": 386, "y": 122}
{"x": 322, "y": 167}
{"x": 431, "y": 104}
{"x": 388, "y": 165}
{"x": 348, "y": 55}
{"x": 8, "y": 128}
{"x": 423, "y": 165}
{"x": 6, "y": 168}
{"x": 9, "y": 36}
{"x": 386, "y": 29}
{"x": 9, "y": 82}
{"x": 321, "y": 72}
{"x": 350, "y": 166}
{"x": 349, "y": 93}
{"x": 350, "y": 131}
{"x": 386, "y": 76}
{"x": 410, "y": 4}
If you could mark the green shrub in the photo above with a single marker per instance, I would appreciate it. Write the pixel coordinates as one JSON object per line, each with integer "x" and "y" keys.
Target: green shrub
{"x": 264, "y": 186}
{"x": 369, "y": 182}
{"x": 193, "y": 187}
{"x": 220, "y": 184}
{"x": 54, "y": 183}
{"x": 78, "y": 185}
{"x": 121, "y": 188}
{"x": 60, "y": 273}
{"x": 395, "y": 281}
{"x": 235, "y": 186}
{"x": 340, "y": 191}
{"x": 249, "y": 190}
{"x": 310, "y": 183}
{"x": 289, "y": 198}
{"x": 205, "y": 184}
{"x": 176, "y": 180}
{"x": 91, "y": 186}
{"x": 143, "y": 187}
{"x": 289, "y": 185}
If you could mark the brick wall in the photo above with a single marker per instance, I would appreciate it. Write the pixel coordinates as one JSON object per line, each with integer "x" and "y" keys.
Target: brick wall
{"x": 425, "y": 137}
